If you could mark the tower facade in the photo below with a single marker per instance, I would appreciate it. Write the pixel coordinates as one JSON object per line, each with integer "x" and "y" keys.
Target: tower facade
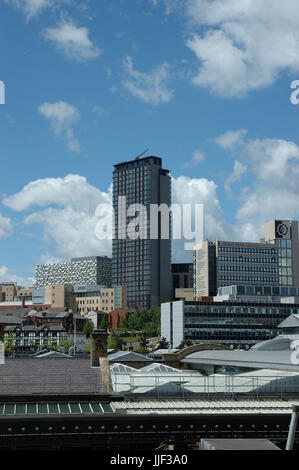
{"x": 140, "y": 262}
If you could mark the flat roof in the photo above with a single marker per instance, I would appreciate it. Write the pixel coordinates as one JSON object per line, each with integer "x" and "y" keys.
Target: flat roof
{"x": 134, "y": 160}
{"x": 277, "y": 360}
{"x": 205, "y": 406}
{"x": 237, "y": 444}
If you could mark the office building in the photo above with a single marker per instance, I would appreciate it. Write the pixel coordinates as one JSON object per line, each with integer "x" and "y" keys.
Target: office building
{"x": 89, "y": 270}
{"x": 230, "y": 323}
{"x": 284, "y": 234}
{"x": 8, "y": 292}
{"x": 182, "y": 277}
{"x": 99, "y": 298}
{"x": 272, "y": 262}
{"x": 56, "y": 296}
{"x": 24, "y": 293}
{"x": 258, "y": 293}
{"x": 142, "y": 264}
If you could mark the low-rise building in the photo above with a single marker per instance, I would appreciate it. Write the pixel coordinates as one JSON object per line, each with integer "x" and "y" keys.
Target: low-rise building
{"x": 56, "y": 296}
{"x": 8, "y": 292}
{"x": 230, "y": 323}
{"x": 184, "y": 293}
{"x": 35, "y": 336}
{"x": 115, "y": 317}
{"x": 24, "y": 293}
{"x": 99, "y": 298}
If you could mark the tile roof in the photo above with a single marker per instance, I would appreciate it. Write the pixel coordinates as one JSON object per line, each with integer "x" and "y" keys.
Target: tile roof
{"x": 49, "y": 376}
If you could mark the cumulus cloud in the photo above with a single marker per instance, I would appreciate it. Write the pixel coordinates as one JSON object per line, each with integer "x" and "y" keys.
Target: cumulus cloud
{"x": 197, "y": 157}
{"x": 73, "y": 41}
{"x": 236, "y": 175}
{"x": 62, "y": 117}
{"x": 67, "y": 214}
{"x": 240, "y": 46}
{"x": 246, "y": 44}
{"x": 275, "y": 191}
{"x": 231, "y": 139}
{"x": 65, "y": 207}
{"x": 215, "y": 227}
{"x": 5, "y": 226}
{"x": 7, "y": 276}
{"x": 148, "y": 87}
{"x": 30, "y": 8}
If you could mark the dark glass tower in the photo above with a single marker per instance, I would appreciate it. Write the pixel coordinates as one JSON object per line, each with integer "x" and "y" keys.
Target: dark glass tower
{"x": 142, "y": 265}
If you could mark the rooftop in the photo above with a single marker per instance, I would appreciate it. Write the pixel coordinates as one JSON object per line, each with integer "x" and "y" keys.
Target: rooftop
{"x": 52, "y": 376}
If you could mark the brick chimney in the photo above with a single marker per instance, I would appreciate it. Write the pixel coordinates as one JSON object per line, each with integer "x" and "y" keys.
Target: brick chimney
{"x": 99, "y": 358}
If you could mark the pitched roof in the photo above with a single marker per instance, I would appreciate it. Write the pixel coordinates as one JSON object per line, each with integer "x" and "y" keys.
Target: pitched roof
{"x": 58, "y": 375}
{"x": 128, "y": 356}
{"x": 291, "y": 321}
{"x": 10, "y": 320}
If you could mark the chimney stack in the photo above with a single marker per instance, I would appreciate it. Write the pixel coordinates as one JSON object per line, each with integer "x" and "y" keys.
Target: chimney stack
{"x": 99, "y": 358}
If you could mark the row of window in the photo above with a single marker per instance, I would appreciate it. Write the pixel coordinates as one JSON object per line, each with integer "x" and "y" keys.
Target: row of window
{"x": 247, "y": 279}
{"x": 255, "y": 269}
{"x": 243, "y": 249}
{"x": 223, "y": 310}
{"x": 243, "y": 259}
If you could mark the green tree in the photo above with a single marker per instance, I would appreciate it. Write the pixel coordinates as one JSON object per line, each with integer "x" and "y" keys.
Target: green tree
{"x": 9, "y": 344}
{"x": 88, "y": 327}
{"x": 104, "y": 323}
{"x": 142, "y": 344}
{"x": 49, "y": 344}
{"x": 88, "y": 346}
{"x": 112, "y": 343}
{"x": 66, "y": 345}
{"x": 144, "y": 320}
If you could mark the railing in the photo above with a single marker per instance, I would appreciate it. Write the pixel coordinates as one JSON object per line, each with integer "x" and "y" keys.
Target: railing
{"x": 192, "y": 386}
{"x": 146, "y": 384}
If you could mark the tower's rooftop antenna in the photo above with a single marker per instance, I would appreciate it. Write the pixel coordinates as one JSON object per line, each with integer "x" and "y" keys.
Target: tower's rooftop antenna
{"x": 138, "y": 156}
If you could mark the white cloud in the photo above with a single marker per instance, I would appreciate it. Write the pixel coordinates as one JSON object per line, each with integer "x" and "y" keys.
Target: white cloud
{"x": 65, "y": 207}
{"x": 149, "y": 88}
{"x": 67, "y": 215}
{"x": 73, "y": 41}
{"x": 231, "y": 139}
{"x": 236, "y": 175}
{"x": 30, "y": 8}
{"x": 62, "y": 117}
{"x": 240, "y": 46}
{"x": 7, "y": 276}
{"x": 197, "y": 157}
{"x": 202, "y": 191}
{"x": 274, "y": 192}
{"x": 5, "y": 226}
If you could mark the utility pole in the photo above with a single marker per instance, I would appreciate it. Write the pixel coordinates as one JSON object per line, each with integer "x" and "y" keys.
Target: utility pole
{"x": 292, "y": 428}
{"x": 74, "y": 319}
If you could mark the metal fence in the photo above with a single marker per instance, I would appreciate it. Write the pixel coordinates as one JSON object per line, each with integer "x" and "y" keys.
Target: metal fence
{"x": 146, "y": 384}
{"x": 191, "y": 386}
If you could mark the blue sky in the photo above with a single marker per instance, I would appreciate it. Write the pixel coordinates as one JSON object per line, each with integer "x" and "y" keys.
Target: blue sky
{"x": 205, "y": 84}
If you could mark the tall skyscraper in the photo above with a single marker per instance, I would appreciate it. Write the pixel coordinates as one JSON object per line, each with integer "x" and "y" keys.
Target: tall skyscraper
{"x": 142, "y": 264}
